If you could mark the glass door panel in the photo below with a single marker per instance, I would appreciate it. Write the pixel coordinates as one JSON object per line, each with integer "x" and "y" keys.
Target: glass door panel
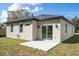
{"x": 44, "y": 32}
{"x": 49, "y": 31}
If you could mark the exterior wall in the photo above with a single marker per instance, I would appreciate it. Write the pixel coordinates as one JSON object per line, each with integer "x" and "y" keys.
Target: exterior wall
{"x": 56, "y": 31}
{"x": 34, "y": 29}
{"x": 70, "y": 30}
{"x": 32, "y": 32}
{"x": 26, "y": 34}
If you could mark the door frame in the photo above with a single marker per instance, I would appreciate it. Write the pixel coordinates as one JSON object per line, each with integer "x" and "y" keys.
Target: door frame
{"x": 47, "y": 31}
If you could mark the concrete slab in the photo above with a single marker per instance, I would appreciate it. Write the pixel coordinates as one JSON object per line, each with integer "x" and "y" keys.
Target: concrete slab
{"x": 42, "y": 45}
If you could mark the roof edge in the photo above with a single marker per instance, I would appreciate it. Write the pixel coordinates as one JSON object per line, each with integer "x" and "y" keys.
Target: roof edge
{"x": 34, "y": 18}
{"x": 64, "y": 18}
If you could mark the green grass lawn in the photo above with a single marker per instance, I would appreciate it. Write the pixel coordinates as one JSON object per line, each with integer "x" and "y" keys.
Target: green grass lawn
{"x": 11, "y": 47}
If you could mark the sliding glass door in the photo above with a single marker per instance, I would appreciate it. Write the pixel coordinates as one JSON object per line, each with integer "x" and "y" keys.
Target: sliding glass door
{"x": 47, "y": 32}
{"x": 43, "y": 32}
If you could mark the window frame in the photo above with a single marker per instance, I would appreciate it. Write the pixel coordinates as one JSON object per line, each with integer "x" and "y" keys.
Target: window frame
{"x": 21, "y": 28}
{"x": 11, "y": 30}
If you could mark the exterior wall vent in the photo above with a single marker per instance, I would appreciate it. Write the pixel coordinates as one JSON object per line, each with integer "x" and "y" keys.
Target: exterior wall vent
{"x": 18, "y": 36}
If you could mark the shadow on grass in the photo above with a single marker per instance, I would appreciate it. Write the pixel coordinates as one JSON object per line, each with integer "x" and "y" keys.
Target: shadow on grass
{"x": 2, "y": 35}
{"x": 72, "y": 40}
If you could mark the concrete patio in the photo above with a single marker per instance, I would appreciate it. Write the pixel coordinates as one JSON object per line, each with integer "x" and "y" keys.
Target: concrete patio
{"x": 42, "y": 45}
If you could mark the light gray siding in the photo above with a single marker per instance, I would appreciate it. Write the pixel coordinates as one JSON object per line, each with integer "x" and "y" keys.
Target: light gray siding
{"x": 70, "y": 30}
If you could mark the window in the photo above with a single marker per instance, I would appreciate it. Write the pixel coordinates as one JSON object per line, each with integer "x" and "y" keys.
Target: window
{"x": 11, "y": 28}
{"x": 38, "y": 26}
{"x": 21, "y": 28}
{"x": 65, "y": 28}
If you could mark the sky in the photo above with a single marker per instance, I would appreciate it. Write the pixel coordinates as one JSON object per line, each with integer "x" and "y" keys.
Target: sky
{"x": 69, "y": 10}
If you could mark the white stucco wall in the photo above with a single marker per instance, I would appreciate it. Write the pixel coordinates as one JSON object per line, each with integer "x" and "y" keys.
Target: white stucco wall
{"x": 26, "y": 34}
{"x": 70, "y": 30}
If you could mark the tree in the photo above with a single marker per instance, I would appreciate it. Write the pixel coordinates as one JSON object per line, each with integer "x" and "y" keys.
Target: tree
{"x": 24, "y": 13}
{"x": 11, "y": 16}
{"x": 18, "y": 14}
{"x": 75, "y": 22}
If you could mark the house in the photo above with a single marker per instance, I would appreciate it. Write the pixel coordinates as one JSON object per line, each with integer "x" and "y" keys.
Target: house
{"x": 2, "y": 30}
{"x": 42, "y": 27}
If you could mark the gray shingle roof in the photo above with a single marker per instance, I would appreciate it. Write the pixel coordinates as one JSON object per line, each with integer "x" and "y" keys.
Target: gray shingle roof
{"x": 40, "y": 17}
{"x": 47, "y": 16}
{"x": 21, "y": 19}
